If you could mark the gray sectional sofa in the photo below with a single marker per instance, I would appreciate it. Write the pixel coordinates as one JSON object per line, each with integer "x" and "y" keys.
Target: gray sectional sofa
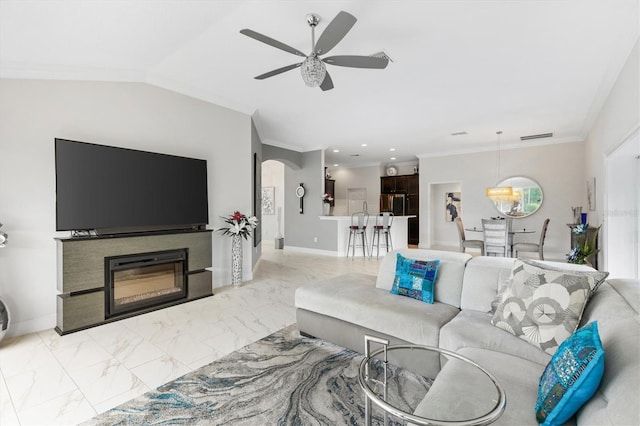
{"x": 345, "y": 308}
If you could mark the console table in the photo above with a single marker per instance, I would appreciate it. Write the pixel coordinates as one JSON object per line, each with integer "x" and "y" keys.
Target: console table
{"x": 593, "y": 259}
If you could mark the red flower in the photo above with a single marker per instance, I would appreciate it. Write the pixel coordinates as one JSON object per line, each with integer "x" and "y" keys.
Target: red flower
{"x": 237, "y": 216}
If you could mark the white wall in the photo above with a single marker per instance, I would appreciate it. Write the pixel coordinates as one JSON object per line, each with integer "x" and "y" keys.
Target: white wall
{"x": 356, "y": 177}
{"x": 618, "y": 119}
{"x": 273, "y": 175}
{"x": 440, "y": 229}
{"x": 129, "y": 115}
{"x": 559, "y": 169}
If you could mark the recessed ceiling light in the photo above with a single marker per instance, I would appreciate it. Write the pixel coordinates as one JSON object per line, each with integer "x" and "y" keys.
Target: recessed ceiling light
{"x": 336, "y": 150}
{"x": 393, "y": 158}
{"x": 392, "y": 149}
{"x": 335, "y": 165}
{"x": 364, "y": 144}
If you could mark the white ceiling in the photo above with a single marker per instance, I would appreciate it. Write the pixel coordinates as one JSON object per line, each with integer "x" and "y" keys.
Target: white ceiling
{"x": 523, "y": 67}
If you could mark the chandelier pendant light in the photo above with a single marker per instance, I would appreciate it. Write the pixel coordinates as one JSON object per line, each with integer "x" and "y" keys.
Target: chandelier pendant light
{"x": 499, "y": 193}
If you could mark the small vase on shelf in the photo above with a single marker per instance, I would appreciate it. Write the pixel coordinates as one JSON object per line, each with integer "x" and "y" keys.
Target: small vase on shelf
{"x": 326, "y": 209}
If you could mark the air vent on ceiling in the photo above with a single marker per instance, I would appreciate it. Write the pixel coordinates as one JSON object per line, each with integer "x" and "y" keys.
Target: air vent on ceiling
{"x": 459, "y": 133}
{"x": 540, "y": 136}
{"x": 354, "y": 155}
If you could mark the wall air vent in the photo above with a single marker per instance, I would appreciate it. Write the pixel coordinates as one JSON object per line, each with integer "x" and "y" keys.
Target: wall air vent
{"x": 459, "y": 133}
{"x": 540, "y": 136}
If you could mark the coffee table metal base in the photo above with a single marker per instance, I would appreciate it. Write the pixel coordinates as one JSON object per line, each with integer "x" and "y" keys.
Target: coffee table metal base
{"x": 364, "y": 380}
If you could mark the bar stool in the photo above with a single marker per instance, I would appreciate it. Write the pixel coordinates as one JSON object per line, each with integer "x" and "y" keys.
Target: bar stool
{"x": 358, "y": 227}
{"x": 382, "y": 226}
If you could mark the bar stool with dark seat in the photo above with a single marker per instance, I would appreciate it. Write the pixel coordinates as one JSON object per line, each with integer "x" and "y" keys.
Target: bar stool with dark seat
{"x": 358, "y": 228}
{"x": 382, "y": 226}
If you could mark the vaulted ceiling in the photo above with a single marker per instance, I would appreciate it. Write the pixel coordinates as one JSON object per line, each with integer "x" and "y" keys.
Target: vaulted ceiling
{"x": 474, "y": 66}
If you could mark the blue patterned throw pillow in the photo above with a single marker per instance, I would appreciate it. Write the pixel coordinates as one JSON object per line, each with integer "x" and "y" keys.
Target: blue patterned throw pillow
{"x": 571, "y": 377}
{"x": 415, "y": 278}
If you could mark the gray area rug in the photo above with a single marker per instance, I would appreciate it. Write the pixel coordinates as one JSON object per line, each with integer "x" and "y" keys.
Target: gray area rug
{"x": 283, "y": 379}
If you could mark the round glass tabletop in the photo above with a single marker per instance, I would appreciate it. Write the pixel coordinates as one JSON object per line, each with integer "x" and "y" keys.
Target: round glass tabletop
{"x": 479, "y": 398}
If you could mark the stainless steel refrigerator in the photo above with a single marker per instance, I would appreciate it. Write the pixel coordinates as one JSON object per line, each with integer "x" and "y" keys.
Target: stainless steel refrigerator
{"x": 393, "y": 203}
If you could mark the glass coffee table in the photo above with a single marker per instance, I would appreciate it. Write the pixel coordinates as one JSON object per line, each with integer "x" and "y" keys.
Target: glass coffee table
{"x": 485, "y": 406}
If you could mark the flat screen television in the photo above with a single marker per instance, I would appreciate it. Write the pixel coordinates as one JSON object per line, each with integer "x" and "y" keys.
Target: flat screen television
{"x": 110, "y": 189}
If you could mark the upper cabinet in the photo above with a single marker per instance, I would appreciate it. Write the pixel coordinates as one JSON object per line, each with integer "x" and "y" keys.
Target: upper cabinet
{"x": 393, "y": 184}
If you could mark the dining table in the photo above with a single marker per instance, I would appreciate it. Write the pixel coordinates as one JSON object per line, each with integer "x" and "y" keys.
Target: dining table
{"x": 512, "y": 232}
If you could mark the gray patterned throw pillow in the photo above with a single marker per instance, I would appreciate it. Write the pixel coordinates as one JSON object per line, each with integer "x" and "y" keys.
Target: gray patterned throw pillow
{"x": 542, "y": 306}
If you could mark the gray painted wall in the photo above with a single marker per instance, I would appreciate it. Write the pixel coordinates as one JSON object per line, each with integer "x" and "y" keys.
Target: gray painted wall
{"x": 133, "y": 115}
{"x": 256, "y": 148}
{"x": 301, "y": 229}
{"x": 293, "y": 159}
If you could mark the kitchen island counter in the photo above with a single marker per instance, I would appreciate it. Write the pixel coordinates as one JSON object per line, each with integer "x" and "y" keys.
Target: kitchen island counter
{"x": 398, "y": 233}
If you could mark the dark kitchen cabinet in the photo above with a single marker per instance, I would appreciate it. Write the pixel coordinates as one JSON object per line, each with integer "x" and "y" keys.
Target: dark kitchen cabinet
{"x": 409, "y": 186}
{"x": 330, "y": 188}
{"x": 393, "y": 184}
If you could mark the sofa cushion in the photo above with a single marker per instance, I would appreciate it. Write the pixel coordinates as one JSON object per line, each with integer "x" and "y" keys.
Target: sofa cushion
{"x": 458, "y": 392}
{"x": 354, "y": 298}
{"x": 616, "y": 401}
{"x": 616, "y": 299}
{"x": 448, "y": 286}
{"x": 474, "y": 329}
{"x": 571, "y": 377}
{"x": 542, "y": 306}
{"x": 483, "y": 277}
{"x": 415, "y": 278}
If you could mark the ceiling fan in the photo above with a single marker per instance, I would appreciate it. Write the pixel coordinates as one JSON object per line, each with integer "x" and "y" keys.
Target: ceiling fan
{"x": 313, "y": 70}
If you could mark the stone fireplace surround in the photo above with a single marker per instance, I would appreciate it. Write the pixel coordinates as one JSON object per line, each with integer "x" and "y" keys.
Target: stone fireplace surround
{"x": 81, "y": 273}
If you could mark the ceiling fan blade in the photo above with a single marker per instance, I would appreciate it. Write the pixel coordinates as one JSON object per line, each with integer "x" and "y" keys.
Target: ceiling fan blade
{"x": 357, "y": 61}
{"x": 277, "y": 71}
{"x": 327, "y": 83}
{"x": 335, "y": 31}
{"x": 271, "y": 42}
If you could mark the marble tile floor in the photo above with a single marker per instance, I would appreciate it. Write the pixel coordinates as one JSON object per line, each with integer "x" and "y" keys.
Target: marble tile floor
{"x": 47, "y": 379}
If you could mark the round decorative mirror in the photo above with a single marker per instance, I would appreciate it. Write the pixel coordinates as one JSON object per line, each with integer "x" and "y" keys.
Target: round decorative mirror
{"x": 526, "y": 198}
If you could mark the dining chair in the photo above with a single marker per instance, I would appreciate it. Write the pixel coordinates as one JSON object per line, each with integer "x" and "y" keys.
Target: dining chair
{"x": 464, "y": 243}
{"x": 496, "y": 237}
{"x": 358, "y": 228}
{"x": 533, "y": 247}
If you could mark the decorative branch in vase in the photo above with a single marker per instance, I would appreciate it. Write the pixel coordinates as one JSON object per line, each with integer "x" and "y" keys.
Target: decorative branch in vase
{"x": 585, "y": 247}
{"x": 240, "y": 226}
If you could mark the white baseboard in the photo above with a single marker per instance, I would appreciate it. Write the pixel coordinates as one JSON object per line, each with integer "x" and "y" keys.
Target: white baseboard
{"x": 313, "y": 251}
{"x": 31, "y": 326}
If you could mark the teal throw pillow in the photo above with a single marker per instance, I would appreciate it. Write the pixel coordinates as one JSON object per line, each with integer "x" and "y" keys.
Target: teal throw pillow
{"x": 415, "y": 278}
{"x": 571, "y": 377}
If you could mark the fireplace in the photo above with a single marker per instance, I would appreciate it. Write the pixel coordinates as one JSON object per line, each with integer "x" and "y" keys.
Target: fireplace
{"x": 140, "y": 281}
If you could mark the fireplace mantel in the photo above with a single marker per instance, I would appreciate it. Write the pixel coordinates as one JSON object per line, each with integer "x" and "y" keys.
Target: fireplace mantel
{"x": 81, "y": 272}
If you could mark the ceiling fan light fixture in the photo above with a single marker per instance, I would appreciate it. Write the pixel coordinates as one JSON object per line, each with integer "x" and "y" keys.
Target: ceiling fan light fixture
{"x": 313, "y": 71}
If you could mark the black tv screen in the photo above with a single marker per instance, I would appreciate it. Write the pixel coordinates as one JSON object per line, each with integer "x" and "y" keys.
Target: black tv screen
{"x": 103, "y": 187}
